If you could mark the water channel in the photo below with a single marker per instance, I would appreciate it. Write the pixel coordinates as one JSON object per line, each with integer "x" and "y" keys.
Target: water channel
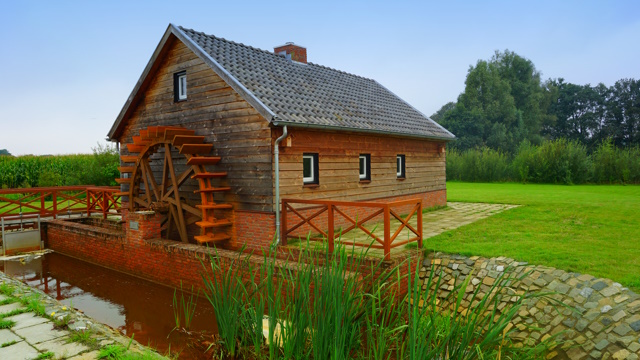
{"x": 126, "y": 303}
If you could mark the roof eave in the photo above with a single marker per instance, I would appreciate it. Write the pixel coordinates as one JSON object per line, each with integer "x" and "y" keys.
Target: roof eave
{"x": 453, "y": 137}
{"x": 360, "y": 130}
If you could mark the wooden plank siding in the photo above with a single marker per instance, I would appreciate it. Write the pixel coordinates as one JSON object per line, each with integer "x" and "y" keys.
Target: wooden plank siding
{"x": 338, "y": 164}
{"x": 239, "y": 134}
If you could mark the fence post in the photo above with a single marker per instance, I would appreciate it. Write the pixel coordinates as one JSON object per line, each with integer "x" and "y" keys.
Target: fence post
{"x": 283, "y": 223}
{"x": 420, "y": 224}
{"x": 387, "y": 232}
{"x": 88, "y": 203}
{"x": 54, "y": 194}
{"x": 330, "y": 225}
{"x": 104, "y": 203}
{"x": 42, "y": 206}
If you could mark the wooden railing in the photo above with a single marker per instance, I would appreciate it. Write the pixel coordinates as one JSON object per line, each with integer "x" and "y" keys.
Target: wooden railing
{"x": 322, "y": 220}
{"x": 60, "y": 200}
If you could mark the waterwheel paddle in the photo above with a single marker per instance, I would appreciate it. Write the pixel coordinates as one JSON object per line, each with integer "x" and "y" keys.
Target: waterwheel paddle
{"x": 167, "y": 194}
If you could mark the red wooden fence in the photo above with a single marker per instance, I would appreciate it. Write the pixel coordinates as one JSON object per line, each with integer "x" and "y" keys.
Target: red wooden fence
{"x": 60, "y": 200}
{"x": 322, "y": 218}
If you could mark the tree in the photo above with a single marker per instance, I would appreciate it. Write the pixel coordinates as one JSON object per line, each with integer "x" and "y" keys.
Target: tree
{"x": 439, "y": 115}
{"x": 579, "y": 111}
{"x": 622, "y": 120}
{"x": 4, "y": 152}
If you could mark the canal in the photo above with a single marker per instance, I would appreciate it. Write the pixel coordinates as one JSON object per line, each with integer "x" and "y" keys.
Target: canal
{"x": 133, "y": 306}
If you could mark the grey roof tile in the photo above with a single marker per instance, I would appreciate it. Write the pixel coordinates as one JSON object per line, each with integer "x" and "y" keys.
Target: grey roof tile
{"x": 310, "y": 94}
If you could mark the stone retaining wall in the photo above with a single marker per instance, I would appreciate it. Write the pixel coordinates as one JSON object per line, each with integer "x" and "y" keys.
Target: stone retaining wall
{"x": 602, "y": 320}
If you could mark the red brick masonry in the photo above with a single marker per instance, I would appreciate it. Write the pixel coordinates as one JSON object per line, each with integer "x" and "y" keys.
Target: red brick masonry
{"x": 141, "y": 253}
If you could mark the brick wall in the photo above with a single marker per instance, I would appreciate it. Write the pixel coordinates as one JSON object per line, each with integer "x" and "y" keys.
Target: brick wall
{"x": 141, "y": 253}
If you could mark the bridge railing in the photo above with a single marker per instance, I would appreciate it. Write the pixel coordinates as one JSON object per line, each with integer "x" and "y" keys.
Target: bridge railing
{"x": 59, "y": 200}
{"x": 373, "y": 225}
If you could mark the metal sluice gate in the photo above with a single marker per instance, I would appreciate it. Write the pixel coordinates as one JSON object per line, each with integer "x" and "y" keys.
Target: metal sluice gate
{"x": 20, "y": 233}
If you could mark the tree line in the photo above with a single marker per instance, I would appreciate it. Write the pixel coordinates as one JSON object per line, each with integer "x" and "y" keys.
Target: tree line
{"x": 505, "y": 102}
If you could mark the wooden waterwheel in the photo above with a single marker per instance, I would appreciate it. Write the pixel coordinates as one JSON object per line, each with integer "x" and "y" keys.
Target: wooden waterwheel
{"x": 167, "y": 171}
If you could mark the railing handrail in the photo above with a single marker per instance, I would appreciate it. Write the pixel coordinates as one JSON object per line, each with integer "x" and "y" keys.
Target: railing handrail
{"x": 381, "y": 203}
{"x": 56, "y": 188}
{"x": 385, "y": 208}
{"x": 33, "y": 200}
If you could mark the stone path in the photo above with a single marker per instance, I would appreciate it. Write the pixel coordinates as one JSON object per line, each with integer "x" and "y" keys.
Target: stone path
{"x": 30, "y": 335}
{"x": 455, "y": 215}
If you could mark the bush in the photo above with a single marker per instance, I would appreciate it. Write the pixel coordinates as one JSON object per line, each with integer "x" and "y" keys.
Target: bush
{"x": 483, "y": 165}
{"x": 558, "y": 161}
{"x": 613, "y": 165}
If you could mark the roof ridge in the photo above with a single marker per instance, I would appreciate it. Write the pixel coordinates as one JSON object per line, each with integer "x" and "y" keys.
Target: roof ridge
{"x": 271, "y": 52}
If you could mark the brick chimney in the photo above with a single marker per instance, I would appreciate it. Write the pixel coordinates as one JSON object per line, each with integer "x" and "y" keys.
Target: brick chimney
{"x": 295, "y": 52}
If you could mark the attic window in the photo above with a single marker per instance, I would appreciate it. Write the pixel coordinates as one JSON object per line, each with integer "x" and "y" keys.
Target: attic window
{"x": 180, "y": 86}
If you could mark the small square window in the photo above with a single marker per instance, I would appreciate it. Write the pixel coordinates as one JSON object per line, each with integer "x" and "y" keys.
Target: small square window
{"x": 365, "y": 166}
{"x": 310, "y": 168}
{"x": 400, "y": 166}
{"x": 180, "y": 86}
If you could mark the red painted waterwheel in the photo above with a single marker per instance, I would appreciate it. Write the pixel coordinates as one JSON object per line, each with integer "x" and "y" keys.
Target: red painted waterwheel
{"x": 167, "y": 174}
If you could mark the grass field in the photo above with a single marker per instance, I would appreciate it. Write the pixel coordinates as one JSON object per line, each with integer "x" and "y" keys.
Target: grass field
{"x": 587, "y": 229}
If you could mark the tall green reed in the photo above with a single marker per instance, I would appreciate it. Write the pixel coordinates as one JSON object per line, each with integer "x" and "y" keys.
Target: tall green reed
{"x": 184, "y": 307}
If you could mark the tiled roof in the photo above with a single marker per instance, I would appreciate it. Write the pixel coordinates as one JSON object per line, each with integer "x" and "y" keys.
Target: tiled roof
{"x": 314, "y": 95}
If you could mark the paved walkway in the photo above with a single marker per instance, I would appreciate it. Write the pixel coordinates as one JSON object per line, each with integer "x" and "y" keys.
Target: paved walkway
{"x": 30, "y": 336}
{"x": 435, "y": 222}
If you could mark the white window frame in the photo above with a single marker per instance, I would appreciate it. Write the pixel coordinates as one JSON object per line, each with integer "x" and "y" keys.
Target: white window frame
{"x": 182, "y": 87}
{"x": 309, "y": 179}
{"x": 399, "y": 166}
{"x": 360, "y": 158}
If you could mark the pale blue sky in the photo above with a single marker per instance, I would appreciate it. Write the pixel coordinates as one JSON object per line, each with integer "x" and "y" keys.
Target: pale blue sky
{"x": 68, "y": 66}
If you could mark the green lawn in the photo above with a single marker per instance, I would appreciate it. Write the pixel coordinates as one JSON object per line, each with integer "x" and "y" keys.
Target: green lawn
{"x": 587, "y": 229}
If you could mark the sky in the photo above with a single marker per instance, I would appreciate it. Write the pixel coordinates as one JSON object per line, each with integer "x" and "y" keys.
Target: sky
{"x": 69, "y": 66}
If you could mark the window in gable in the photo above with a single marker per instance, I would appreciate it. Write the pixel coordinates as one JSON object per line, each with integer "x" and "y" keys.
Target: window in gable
{"x": 180, "y": 86}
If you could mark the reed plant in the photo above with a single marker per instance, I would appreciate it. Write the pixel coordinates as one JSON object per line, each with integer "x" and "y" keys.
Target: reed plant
{"x": 226, "y": 291}
{"x": 326, "y": 306}
{"x": 184, "y": 307}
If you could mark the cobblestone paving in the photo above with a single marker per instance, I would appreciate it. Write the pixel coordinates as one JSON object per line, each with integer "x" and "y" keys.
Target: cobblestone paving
{"x": 31, "y": 335}
{"x": 599, "y": 319}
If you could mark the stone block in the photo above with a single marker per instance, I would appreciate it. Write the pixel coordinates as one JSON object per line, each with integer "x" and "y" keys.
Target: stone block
{"x": 621, "y": 354}
{"x": 620, "y": 298}
{"x": 6, "y": 336}
{"x": 610, "y": 291}
{"x": 18, "y": 351}
{"x": 602, "y": 344}
{"x": 622, "y": 329}
{"x": 599, "y": 285}
{"x": 619, "y": 315}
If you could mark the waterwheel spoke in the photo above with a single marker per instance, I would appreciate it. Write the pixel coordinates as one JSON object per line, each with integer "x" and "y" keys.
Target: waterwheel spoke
{"x": 180, "y": 180}
{"x": 182, "y": 227}
{"x": 146, "y": 184}
{"x": 152, "y": 180}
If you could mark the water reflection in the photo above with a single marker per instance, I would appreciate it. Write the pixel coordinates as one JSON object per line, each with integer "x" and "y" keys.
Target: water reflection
{"x": 124, "y": 302}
